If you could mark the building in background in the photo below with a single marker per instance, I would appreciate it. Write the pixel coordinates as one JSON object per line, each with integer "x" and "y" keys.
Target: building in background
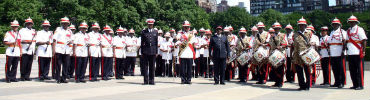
{"x": 288, "y": 6}
{"x": 207, "y": 5}
{"x": 223, "y": 6}
{"x": 350, "y": 6}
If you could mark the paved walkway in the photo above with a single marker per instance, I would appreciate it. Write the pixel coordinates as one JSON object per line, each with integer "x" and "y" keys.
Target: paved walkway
{"x": 170, "y": 89}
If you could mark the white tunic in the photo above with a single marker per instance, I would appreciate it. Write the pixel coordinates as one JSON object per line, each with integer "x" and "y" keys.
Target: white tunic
{"x": 205, "y": 50}
{"x": 62, "y": 38}
{"x": 80, "y": 40}
{"x": 120, "y": 44}
{"x": 132, "y": 42}
{"x": 107, "y": 44}
{"x": 187, "y": 53}
{"x": 336, "y": 36}
{"x": 324, "y": 50}
{"x": 166, "y": 45}
{"x": 94, "y": 41}
{"x": 28, "y": 35}
{"x": 10, "y": 36}
{"x": 356, "y": 33}
{"x": 46, "y": 49}
{"x": 290, "y": 43}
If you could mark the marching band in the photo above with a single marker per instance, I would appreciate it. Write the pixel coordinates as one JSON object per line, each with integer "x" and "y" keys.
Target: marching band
{"x": 265, "y": 54}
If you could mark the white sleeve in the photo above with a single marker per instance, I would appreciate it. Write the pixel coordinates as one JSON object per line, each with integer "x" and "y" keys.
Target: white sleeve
{"x": 361, "y": 34}
{"x": 38, "y": 36}
{"x": 7, "y": 37}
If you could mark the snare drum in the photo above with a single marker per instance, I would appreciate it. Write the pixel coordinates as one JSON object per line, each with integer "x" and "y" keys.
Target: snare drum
{"x": 260, "y": 54}
{"x": 244, "y": 58}
{"x": 277, "y": 58}
{"x": 309, "y": 56}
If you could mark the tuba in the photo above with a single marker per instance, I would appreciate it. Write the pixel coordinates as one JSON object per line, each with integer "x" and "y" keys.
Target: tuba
{"x": 185, "y": 43}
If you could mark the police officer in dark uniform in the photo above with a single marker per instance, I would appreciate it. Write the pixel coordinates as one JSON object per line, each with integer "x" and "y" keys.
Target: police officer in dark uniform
{"x": 220, "y": 53}
{"x": 149, "y": 47}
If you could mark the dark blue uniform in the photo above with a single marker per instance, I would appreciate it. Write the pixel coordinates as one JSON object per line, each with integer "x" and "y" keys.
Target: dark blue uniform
{"x": 221, "y": 50}
{"x": 149, "y": 49}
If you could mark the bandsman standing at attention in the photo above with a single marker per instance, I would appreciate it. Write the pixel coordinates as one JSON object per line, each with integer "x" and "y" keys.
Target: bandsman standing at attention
{"x": 356, "y": 44}
{"x": 28, "y": 47}
{"x": 197, "y": 46}
{"x": 314, "y": 42}
{"x": 44, "y": 50}
{"x": 72, "y": 63}
{"x": 253, "y": 68}
{"x": 119, "y": 44}
{"x": 149, "y": 47}
{"x": 290, "y": 73}
{"x": 302, "y": 42}
{"x": 80, "y": 51}
{"x": 262, "y": 39}
{"x": 159, "y": 64}
{"x": 186, "y": 53}
{"x": 278, "y": 42}
{"x": 219, "y": 50}
{"x": 61, "y": 42}
{"x": 131, "y": 52}
{"x": 167, "y": 49}
{"x": 107, "y": 53}
{"x": 12, "y": 39}
{"x": 243, "y": 47}
{"x": 202, "y": 60}
{"x": 230, "y": 68}
{"x": 324, "y": 53}
{"x": 94, "y": 52}
{"x": 336, "y": 41}
{"x": 209, "y": 64}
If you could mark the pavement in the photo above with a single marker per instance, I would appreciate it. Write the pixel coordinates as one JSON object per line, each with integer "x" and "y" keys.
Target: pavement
{"x": 169, "y": 88}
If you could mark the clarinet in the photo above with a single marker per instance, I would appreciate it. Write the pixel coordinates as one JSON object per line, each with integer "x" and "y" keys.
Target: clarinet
{"x": 16, "y": 38}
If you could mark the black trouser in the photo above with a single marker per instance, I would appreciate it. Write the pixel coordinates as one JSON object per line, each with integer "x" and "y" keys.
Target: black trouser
{"x": 290, "y": 74}
{"x": 141, "y": 66}
{"x": 11, "y": 67}
{"x": 202, "y": 65}
{"x": 356, "y": 69}
{"x": 186, "y": 68}
{"x": 177, "y": 69}
{"x": 148, "y": 63}
{"x": 94, "y": 67}
{"x": 197, "y": 67}
{"x": 209, "y": 68}
{"x": 119, "y": 66}
{"x": 229, "y": 71}
{"x": 53, "y": 64}
{"x": 62, "y": 64}
{"x": 219, "y": 70}
{"x": 26, "y": 65}
{"x": 44, "y": 66}
{"x": 72, "y": 66}
{"x": 167, "y": 68}
{"x": 326, "y": 70}
{"x": 262, "y": 71}
{"x": 130, "y": 65}
{"x": 107, "y": 65}
{"x": 158, "y": 66}
{"x": 243, "y": 72}
{"x": 278, "y": 73}
{"x": 81, "y": 65}
{"x": 301, "y": 71}
{"x": 338, "y": 70}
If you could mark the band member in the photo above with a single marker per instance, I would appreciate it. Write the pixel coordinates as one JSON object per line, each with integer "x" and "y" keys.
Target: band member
{"x": 72, "y": 64}
{"x": 186, "y": 53}
{"x": 80, "y": 51}
{"x": 219, "y": 52}
{"x": 336, "y": 42}
{"x": 356, "y": 44}
{"x": 262, "y": 39}
{"x": 61, "y": 43}
{"x": 28, "y": 47}
{"x": 243, "y": 46}
{"x": 209, "y": 64}
{"x": 119, "y": 44}
{"x": 326, "y": 67}
{"x": 254, "y": 66}
{"x": 106, "y": 52}
{"x": 176, "y": 53}
{"x": 197, "y": 60}
{"x": 43, "y": 42}
{"x": 301, "y": 42}
{"x": 149, "y": 47}
{"x": 94, "y": 52}
{"x": 202, "y": 61}
{"x": 314, "y": 42}
{"x": 159, "y": 64}
{"x": 230, "y": 68}
{"x": 12, "y": 39}
{"x": 167, "y": 49}
{"x": 131, "y": 52}
{"x": 278, "y": 42}
{"x": 290, "y": 73}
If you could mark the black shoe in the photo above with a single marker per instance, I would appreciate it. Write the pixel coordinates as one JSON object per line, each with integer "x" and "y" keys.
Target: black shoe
{"x": 64, "y": 81}
{"x": 340, "y": 86}
{"x": 77, "y": 81}
{"x": 261, "y": 83}
{"x": 276, "y": 86}
{"x": 325, "y": 84}
{"x": 41, "y": 79}
{"x": 14, "y": 80}
{"x": 300, "y": 89}
{"x": 82, "y": 81}
{"x": 216, "y": 83}
{"x": 335, "y": 85}
{"x": 151, "y": 83}
{"x": 22, "y": 79}
{"x": 222, "y": 83}
{"x": 7, "y": 81}
{"x": 359, "y": 88}
{"x": 58, "y": 81}
{"x": 353, "y": 87}
{"x": 47, "y": 78}
{"x": 183, "y": 83}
